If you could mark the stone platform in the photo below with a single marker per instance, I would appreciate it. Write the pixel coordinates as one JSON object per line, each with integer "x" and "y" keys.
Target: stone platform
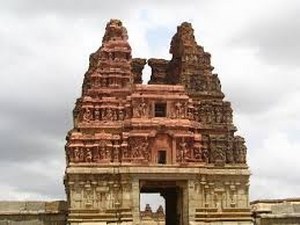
{"x": 33, "y": 213}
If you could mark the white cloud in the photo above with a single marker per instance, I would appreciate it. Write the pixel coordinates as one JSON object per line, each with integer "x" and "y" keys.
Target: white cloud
{"x": 44, "y": 54}
{"x": 275, "y": 166}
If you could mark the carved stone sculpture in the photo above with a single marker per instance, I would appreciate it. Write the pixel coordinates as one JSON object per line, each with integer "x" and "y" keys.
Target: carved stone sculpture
{"x": 174, "y": 136}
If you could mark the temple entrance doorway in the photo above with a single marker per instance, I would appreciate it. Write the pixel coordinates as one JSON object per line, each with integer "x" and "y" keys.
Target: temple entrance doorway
{"x": 174, "y": 200}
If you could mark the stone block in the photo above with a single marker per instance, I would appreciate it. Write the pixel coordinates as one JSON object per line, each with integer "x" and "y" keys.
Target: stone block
{"x": 282, "y": 208}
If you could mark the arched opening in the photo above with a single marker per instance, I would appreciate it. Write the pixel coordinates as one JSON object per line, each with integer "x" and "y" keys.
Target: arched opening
{"x": 146, "y": 73}
{"x": 162, "y": 149}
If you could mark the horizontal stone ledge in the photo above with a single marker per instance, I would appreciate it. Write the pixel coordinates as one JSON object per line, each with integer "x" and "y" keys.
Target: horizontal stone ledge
{"x": 223, "y": 214}
{"x": 220, "y": 219}
{"x": 32, "y": 213}
{"x": 131, "y": 169}
{"x": 224, "y": 210}
{"x": 96, "y": 219}
{"x": 97, "y": 216}
{"x": 159, "y": 87}
{"x": 32, "y": 207}
{"x": 122, "y": 211}
{"x": 280, "y": 216}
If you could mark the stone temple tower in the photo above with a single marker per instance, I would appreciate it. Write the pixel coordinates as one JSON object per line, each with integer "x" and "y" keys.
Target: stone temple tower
{"x": 174, "y": 136}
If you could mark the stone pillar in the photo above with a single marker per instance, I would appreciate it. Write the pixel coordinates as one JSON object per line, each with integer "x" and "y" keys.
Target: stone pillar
{"x": 136, "y": 201}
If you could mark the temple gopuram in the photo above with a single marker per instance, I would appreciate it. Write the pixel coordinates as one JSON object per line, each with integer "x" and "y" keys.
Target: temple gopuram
{"x": 174, "y": 136}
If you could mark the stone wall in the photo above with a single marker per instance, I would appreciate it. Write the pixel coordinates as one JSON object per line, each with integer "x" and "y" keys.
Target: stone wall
{"x": 276, "y": 211}
{"x": 54, "y": 213}
{"x": 33, "y": 213}
{"x": 265, "y": 212}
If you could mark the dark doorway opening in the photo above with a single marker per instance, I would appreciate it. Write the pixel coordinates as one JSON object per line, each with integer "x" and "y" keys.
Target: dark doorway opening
{"x": 162, "y": 157}
{"x": 160, "y": 110}
{"x": 173, "y": 199}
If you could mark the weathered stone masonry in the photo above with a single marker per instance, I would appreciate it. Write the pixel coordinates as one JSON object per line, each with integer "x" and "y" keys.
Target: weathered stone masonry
{"x": 174, "y": 136}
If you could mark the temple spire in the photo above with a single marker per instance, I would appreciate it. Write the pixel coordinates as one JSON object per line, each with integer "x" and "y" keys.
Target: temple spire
{"x": 115, "y": 31}
{"x": 183, "y": 42}
{"x": 110, "y": 65}
{"x": 190, "y": 64}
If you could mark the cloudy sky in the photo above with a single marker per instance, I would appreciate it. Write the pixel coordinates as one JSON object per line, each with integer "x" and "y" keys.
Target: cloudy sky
{"x": 45, "y": 45}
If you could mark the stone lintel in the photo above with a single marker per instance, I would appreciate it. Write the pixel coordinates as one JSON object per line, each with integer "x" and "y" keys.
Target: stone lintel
{"x": 131, "y": 169}
{"x": 159, "y": 88}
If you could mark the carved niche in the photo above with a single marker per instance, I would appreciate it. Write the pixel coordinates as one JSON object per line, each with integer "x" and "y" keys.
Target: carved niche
{"x": 221, "y": 193}
{"x": 240, "y": 150}
{"x": 161, "y": 142}
{"x": 140, "y": 108}
{"x": 103, "y": 192}
{"x": 212, "y": 113}
{"x": 139, "y": 149}
{"x": 184, "y": 149}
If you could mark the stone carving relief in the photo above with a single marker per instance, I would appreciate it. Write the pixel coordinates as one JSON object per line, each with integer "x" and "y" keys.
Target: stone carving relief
{"x": 136, "y": 149}
{"x": 140, "y": 108}
{"x": 197, "y": 152}
{"x": 184, "y": 151}
{"x": 229, "y": 151}
{"x": 99, "y": 192}
{"x": 94, "y": 152}
{"x": 139, "y": 149}
{"x": 220, "y": 193}
{"x": 218, "y": 150}
{"x": 78, "y": 155}
{"x": 97, "y": 114}
{"x": 116, "y": 151}
{"x": 191, "y": 112}
{"x": 240, "y": 150}
{"x": 212, "y": 149}
{"x": 110, "y": 66}
{"x": 213, "y": 113}
{"x": 198, "y": 83}
{"x": 179, "y": 109}
{"x": 205, "y": 149}
{"x": 182, "y": 110}
{"x": 87, "y": 115}
{"x": 126, "y": 153}
{"x": 103, "y": 113}
{"x": 215, "y": 149}
{"x": 114, "y": 129}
